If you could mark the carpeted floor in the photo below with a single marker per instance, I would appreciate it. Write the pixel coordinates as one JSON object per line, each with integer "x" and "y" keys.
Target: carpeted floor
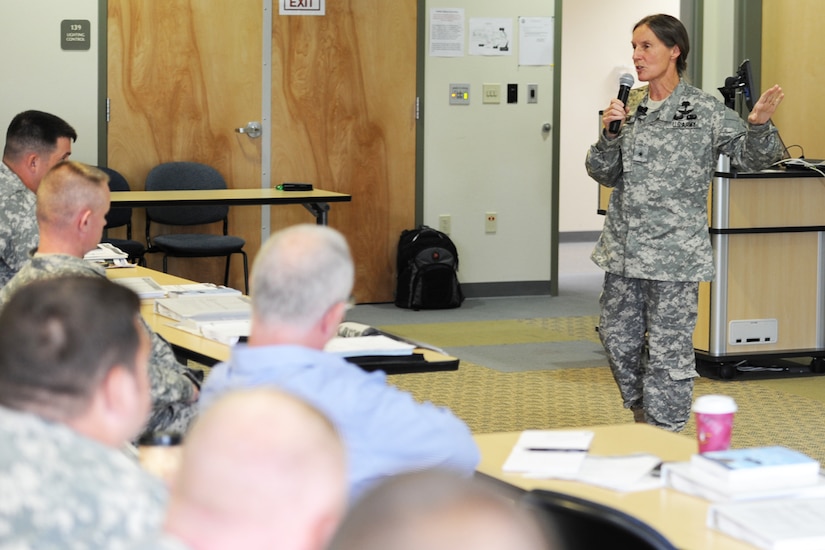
{"x": 530, "y": 383}
{"x": 515, "y": 345}
{"x": 492, "y": 401}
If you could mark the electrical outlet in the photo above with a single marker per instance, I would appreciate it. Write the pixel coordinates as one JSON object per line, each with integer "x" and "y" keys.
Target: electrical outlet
{"x": 490, "y": 222}
{"x": 444, "y": 223}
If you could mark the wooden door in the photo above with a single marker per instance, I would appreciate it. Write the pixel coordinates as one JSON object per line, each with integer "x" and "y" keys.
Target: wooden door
{"x": 183, "y": 75}
{"x": 343, "y": 118}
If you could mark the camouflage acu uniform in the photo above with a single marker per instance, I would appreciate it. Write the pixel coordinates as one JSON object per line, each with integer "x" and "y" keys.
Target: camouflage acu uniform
{"x": 656, "y": 229}
{"x": 171, "y": 389}
{"x": 18, "y": 223}
{"x": 62, "y": 490}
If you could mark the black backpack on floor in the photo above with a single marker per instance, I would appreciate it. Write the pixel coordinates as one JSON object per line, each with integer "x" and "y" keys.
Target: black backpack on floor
{"x": 427, "y": 264}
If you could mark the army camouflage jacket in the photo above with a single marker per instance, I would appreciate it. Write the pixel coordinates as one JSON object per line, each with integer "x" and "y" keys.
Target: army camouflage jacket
{"x": 18, "y": 223}
{"x": 660, "y": 168}
{"x": 169, "y": 385}
{"x": 62, "y": 490}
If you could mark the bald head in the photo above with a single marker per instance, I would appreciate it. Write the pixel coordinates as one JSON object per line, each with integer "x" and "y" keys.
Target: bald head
{"x": 436, "y": 510}
{"x": 259, "y": 465}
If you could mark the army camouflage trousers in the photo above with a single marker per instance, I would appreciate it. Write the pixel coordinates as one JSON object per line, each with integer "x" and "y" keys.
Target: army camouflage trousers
{"x": 646, "y": 328}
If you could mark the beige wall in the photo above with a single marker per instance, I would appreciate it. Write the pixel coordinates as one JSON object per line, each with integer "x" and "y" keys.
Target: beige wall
{"x": 595, "y": 52}
{"x": 792, "y": 45}
{"x": 481, "y": 158}
{"x": 38, "y": 74}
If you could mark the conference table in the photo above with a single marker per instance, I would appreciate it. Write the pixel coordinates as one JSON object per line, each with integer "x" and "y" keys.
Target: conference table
{"x": 678, "y": 516}
{"x": 188, "y": 345}
{"x": 316, "y": 201}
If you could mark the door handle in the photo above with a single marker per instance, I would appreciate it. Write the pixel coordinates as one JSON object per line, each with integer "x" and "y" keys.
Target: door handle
{"x": 546, "y": 127}
{"x": 252, "y": 129}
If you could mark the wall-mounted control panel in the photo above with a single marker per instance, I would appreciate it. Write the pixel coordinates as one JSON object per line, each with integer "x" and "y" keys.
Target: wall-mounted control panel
{"x": 459, "y": 94}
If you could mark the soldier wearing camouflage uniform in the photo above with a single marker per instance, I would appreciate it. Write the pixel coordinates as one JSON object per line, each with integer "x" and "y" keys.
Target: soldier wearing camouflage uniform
{"x": 655, "y": 246}
{"x": 61, "y": 254}
{"x": 73, "y": 392}
{"x": 35, "y": 141}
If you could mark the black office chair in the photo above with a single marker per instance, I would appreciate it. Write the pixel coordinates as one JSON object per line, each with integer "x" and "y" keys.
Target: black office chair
{"x": 119, "y": 217}
{"x": 574, "y": 523}
{"x": 191, "y": 175}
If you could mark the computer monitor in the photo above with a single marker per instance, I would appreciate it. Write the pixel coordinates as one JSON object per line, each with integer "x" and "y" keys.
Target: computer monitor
{"x": 748, "y": 89}
{"x": 741, "y": 81}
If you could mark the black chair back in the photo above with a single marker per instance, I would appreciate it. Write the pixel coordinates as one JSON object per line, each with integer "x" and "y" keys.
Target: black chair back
{"x": 121, "y": 215}
{"x": 175, "y": 176}
{"x": 575, "y": 523}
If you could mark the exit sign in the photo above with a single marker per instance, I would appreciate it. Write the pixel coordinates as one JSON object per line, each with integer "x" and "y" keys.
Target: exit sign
{"x": 302, "y": 7}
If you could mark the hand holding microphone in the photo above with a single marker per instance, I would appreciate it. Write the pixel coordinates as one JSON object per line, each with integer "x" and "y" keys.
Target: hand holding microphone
{"x": 625, "y": 83}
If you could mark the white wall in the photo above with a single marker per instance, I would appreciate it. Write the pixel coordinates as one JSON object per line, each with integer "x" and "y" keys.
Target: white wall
{"x": 717, "y": 54}
{"x": 596, "y": 49}
{"x": 38, "y": 74}
{"x": 490, "y": 157}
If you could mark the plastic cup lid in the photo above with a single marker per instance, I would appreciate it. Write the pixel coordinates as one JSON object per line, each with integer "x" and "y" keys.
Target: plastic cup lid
{"x": 714, "y": 404}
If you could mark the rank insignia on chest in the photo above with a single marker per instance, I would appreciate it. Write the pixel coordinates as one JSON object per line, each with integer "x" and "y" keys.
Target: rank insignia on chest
{"x": 684, "y": 117}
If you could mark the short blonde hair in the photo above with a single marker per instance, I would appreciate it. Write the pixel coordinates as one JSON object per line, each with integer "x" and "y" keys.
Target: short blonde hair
{"x": 66, "y": 189}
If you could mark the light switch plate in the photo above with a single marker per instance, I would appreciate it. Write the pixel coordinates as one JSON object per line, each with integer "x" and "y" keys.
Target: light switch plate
{"x": 491, "y": 93}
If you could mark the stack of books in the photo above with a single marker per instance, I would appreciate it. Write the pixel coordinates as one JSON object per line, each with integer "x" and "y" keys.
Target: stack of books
{"x": 772, "y": 497}
{"x": 784, "y": 524}
{"x": 207, "y": 308}
{"x": 746, "y": 474}
{"x": 224, "y": 317}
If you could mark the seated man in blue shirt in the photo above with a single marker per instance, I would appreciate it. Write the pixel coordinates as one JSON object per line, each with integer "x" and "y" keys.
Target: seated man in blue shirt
{"x": 300, "y": 286}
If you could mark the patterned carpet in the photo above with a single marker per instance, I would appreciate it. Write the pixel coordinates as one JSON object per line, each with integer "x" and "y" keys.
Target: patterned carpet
{"x": 770, "y": 412}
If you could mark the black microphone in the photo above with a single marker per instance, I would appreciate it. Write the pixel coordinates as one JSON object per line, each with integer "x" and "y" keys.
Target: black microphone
{"x": 625, "y": 82}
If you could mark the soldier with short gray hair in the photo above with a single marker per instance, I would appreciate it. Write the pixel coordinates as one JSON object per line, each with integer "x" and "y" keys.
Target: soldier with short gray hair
{"x": 655, "y": 247}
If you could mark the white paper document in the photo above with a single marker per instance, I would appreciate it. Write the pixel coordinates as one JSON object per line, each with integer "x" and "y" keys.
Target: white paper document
{"x": 490, "y": 36}
{"x": 628, "y": 473}
{"x": 359, "y": 346}
{"x": 447, "y": 32}
{"x": 105, "y": 251}
{"x": 144, "y": 287}
{"x": 198, "y": 289}
{"x": 549, "y": 453}
{"x": 226, "y": 332}
{"x": 535, "y": 41}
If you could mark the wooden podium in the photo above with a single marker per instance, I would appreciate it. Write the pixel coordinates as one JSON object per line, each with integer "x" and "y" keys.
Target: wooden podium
{"x": 768, "y": 295}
